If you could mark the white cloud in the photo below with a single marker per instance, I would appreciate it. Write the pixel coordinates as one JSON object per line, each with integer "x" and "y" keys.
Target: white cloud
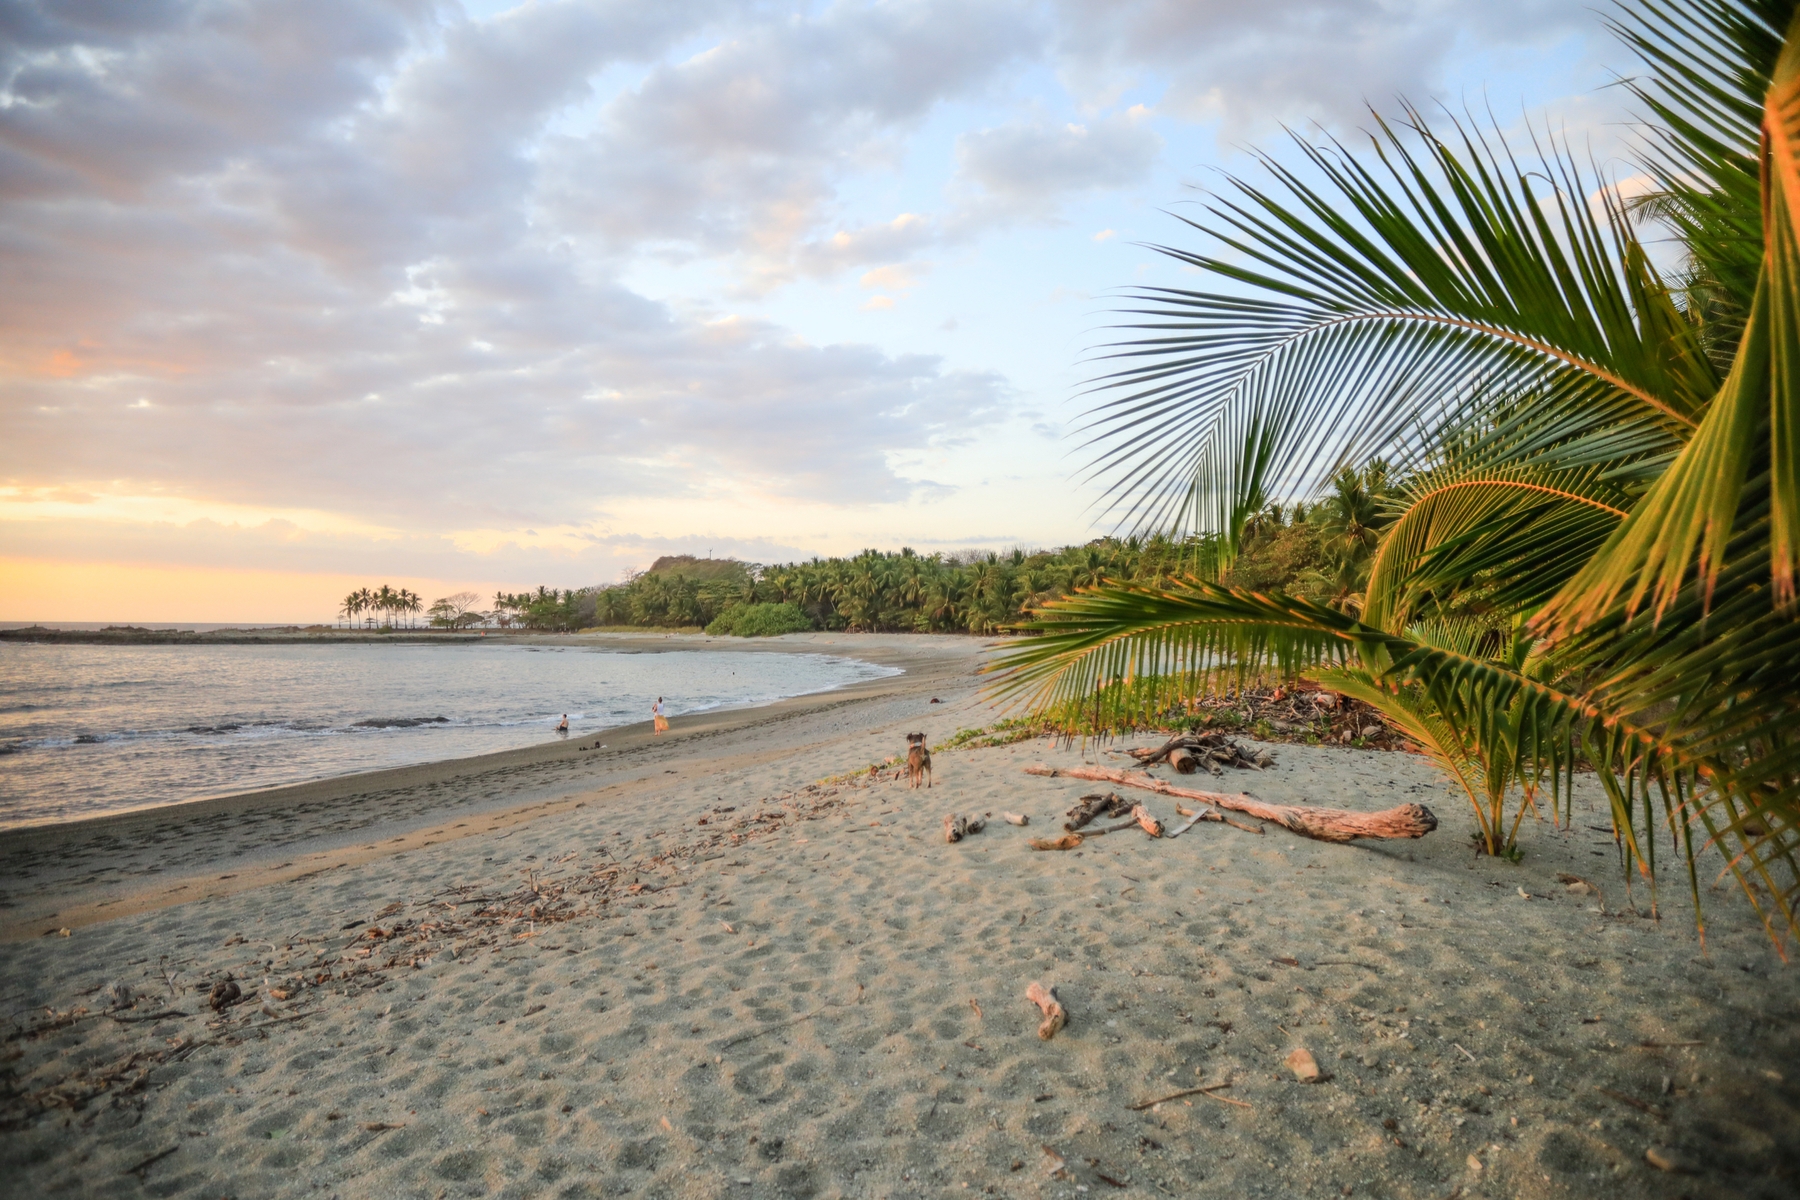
{"x": 1255, "y": 66}
{"x": 1024, "y": 170}
{"x": 370, "y": 258}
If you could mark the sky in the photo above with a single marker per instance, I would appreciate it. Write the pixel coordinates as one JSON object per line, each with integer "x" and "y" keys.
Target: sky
{"x": 305, "y": 297}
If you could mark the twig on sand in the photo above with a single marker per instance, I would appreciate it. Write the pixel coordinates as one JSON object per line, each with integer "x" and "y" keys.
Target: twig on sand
{"x": 756, "y": 1033}
{"x": 1640, "y": 1105}
{"x": 152, "y": 1160}
{"x": 1324, "y": 824}
{"x": 1206, "y": 1091}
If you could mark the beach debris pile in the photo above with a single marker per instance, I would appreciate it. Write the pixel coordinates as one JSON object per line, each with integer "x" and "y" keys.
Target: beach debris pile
{"x": 1189, "y": 753}
{"x": 1287, "y": 714}
{"x": 1092, "y": 807}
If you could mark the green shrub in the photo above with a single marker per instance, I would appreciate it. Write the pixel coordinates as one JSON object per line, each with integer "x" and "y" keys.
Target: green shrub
{"x": 760, "y": 620}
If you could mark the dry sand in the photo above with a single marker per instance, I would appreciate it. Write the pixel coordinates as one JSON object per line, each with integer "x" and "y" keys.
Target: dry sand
{"x": 830, "y": 1001}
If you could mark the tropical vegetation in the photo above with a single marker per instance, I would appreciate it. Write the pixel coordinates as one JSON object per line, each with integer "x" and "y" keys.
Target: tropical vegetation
{"x": 1583, "y": 539}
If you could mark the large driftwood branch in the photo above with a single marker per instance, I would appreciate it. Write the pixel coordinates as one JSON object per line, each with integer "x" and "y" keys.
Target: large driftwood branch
{"x": 1325, "y": 824}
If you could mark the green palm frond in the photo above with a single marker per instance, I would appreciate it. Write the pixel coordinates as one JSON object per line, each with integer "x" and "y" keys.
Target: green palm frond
{"x": 1369, "y": 309}
{"x": 1743, "y": 463}
{"x": 1712, "y": 64}
{"x": 1512, "y": 533}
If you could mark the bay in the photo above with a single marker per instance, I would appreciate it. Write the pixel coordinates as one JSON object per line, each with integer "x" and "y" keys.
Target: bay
{"x": 88, "y": 729}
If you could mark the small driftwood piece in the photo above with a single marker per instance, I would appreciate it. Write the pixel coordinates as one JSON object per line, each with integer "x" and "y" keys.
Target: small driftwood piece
{"x": 1067, "y": 841}
{"x": 1055, "y": 1015}
{"x": 1145, "y": 818}
{"x": 957, "y": 827}
{"x": 1096, "y": 805}
{"x": 1012, "y": 818}
{"x": 1324, "y": 824}
{"x": 1184, "y": 760}
{"x": 1305, "y": 1067}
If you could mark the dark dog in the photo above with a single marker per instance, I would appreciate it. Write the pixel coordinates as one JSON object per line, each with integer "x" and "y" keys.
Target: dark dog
{"x": 918, "y": 760}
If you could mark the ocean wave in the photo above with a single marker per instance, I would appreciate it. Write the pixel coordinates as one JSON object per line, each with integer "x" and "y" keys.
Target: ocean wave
{"x": 399, "y": 722}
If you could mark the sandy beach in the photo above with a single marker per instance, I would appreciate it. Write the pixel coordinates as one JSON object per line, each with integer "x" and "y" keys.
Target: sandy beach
{"x": 731, "y": 962}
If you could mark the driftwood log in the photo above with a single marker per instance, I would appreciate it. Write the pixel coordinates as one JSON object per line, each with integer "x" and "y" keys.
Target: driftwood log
{"x": 1012, "y": 818}
{"x": 1147, "y": 819}
{"x": 1324, "y": 824}
{"x": 1067, "y": 841}
{"x": 1055, "y": 1015}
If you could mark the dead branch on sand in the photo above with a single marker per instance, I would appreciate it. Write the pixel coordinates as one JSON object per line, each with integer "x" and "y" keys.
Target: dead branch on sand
{"x": 1324, "y": 824}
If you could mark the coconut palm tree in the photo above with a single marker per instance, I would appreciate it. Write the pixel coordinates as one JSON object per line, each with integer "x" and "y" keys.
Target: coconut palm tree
{"x": 1600, "y": 521}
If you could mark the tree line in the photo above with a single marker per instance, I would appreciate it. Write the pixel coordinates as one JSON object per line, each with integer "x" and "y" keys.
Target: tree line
{"x": 1321, "y": 550}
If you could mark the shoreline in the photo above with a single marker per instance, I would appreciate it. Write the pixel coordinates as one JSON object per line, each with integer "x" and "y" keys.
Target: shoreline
{"x": 626, "y": 644}
{"x": 401, "y": 806}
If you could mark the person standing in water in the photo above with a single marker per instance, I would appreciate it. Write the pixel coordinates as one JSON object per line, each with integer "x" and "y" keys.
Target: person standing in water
{"x": 656, "y": 715}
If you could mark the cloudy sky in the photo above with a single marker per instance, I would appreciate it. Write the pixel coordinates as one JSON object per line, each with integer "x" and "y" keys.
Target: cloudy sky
{"x": 300, "y": 296}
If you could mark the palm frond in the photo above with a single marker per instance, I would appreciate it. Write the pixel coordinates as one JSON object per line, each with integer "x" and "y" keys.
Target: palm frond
{"x": 1367, "y": 309}
{"x": 1512, "y": 533}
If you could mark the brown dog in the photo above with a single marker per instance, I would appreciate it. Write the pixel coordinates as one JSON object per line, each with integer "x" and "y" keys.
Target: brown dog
{"x": 918, "y": 760}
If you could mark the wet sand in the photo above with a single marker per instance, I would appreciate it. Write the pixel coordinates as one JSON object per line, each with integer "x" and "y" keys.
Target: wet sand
{"x": 576, "y": 975}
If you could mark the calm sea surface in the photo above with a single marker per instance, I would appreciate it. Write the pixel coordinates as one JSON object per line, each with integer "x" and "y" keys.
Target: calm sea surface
{"x": 92, "y": 729}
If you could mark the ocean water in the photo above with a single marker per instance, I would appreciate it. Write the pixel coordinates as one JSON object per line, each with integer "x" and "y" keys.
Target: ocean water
{"x": 94, "y": 729}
